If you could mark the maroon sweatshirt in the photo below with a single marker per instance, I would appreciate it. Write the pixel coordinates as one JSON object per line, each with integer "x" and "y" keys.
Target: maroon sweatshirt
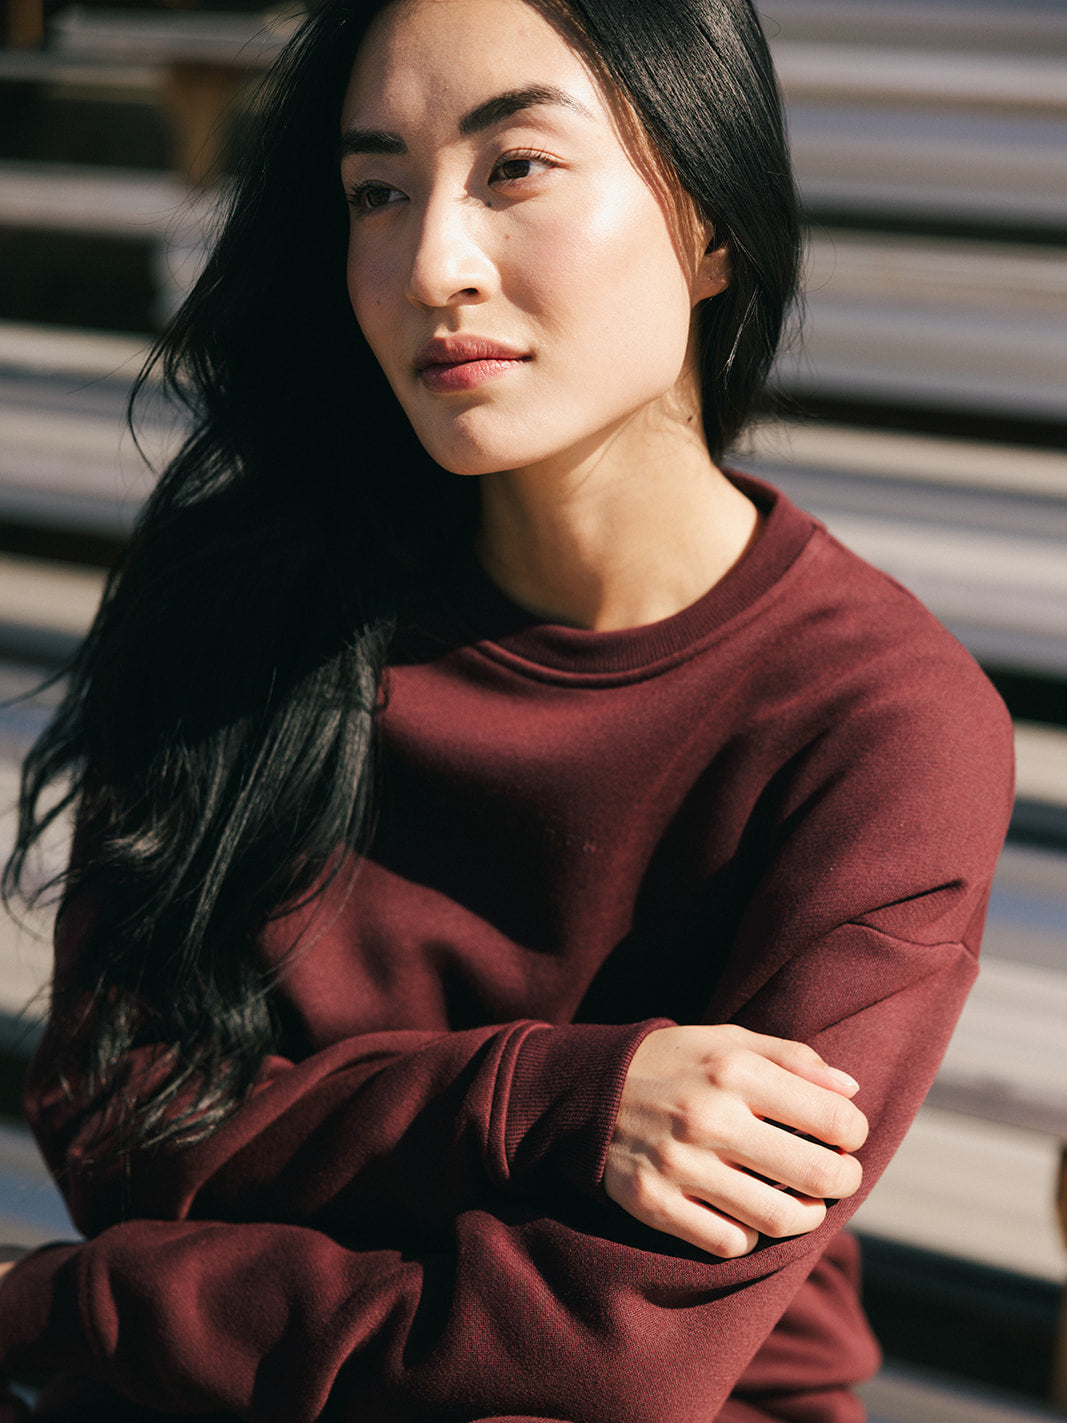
{"x": 781, "y": 807}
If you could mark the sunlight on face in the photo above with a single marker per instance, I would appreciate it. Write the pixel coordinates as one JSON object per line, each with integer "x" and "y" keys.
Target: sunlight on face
{"x": 516, "y": 276}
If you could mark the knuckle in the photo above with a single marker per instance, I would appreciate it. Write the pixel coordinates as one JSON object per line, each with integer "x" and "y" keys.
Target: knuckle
{"x": 734, "y": 1244}
{"x": 666, "y": 1158}
{"x": 643, "y": 1196}
{"x": 733, "y": 1072}
{"x": 835, "y": 1178}
{"x": 787, "y": 1217}
{"x": 819, "y": 1177}
{"x": 839, "y": 1122}
{"x": 836, "y": 1121}
{"x": 697, "y": 1126}
{"x": 805, "y": 1056}
{"x": 776, "y": 1219}
{"x": 684, "y": 1125}
{"x": 648, "y": 1204}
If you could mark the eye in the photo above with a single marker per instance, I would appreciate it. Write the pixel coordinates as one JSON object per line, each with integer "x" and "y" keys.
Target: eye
{"x": 373, "y": 197}
{"x": 515, "y": 167}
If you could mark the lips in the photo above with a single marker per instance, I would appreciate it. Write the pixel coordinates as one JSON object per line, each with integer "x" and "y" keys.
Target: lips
{"x": 452, "y": 363}
{"x": 458, "y": 350}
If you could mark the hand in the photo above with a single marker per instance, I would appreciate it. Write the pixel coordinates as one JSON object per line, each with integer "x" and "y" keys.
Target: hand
{"x": 706, "y": 1112}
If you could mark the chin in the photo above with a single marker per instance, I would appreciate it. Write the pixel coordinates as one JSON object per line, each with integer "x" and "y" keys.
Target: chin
{"x": 467, "y": 465}
{"x": 490, "y": 437}
{"x": 471, "y": 459}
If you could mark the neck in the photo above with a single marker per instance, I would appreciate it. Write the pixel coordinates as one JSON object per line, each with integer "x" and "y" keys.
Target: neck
{"x": 604, "y": 543}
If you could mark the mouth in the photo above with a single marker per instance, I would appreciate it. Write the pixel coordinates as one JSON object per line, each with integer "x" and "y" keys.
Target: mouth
{"x": 456, "y": 363}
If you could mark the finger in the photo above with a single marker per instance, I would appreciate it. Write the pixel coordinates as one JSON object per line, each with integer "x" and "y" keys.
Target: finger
{"x": 758, "y": 1150}
{"x": 754, "y": 1203}
{"x": 780, "y": 1096}
{"x": 724, "y": 1213}
{"x": 803, "y": 1166}
{"x": 703, "y": 1225}
{"x": 768, "y": 1209}
{"x": 671, "y": 1211}
{"x": 801, "y": 1060}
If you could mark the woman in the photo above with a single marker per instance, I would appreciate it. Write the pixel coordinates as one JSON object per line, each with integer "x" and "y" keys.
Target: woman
{"x": 425, "y": 789}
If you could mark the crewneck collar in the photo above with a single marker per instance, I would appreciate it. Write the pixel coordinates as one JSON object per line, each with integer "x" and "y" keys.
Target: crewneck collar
{"x": 476, "y": 613}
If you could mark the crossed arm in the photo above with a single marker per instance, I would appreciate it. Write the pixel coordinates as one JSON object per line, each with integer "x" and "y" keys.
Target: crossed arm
{"x": 276, "y": 1321}
{"x": 681, "y": 1077}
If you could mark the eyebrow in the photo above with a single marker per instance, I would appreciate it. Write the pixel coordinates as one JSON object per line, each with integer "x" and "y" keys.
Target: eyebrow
{"x": 493, "y": 111}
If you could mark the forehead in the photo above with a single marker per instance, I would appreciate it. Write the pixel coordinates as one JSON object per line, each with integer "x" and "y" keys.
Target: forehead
{"x": 433, "y": 58}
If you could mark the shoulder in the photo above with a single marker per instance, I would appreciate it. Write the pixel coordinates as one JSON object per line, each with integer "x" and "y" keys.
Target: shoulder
{"x": 883, "y": 655}
{"x": 855, "y": 699}
{"x": 840, "y": 644}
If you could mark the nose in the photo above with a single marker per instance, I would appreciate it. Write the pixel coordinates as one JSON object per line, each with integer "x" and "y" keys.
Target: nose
{"x": 449, "y": 264}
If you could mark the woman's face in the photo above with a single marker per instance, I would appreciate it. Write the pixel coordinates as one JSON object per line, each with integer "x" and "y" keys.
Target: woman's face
{"x": 523, "y": 286}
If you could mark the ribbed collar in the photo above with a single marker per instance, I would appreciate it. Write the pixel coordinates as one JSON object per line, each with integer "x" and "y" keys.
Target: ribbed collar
{"x": 467, "y": 608}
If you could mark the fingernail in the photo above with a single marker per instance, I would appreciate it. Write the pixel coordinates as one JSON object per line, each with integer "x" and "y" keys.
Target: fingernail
{"x": 843, "y": 1080}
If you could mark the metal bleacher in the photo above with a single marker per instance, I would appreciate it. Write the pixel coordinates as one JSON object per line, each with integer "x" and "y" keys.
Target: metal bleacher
{"x": 926, "y": 425}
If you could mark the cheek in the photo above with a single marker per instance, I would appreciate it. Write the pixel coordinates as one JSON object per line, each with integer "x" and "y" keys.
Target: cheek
{"x": 648, "y": 276}
{"x": 611, "y": 269}
{"x": 366, "y": 285}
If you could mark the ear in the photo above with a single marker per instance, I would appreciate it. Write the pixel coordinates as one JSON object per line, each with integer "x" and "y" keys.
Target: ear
{"x": 713, "y": 272}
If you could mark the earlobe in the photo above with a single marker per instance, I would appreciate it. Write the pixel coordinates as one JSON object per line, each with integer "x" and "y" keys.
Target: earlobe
{"x": 713, "y": 272}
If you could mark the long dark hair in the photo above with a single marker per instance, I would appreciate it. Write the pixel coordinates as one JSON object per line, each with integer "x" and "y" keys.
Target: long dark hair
{"x": 216, "y": 739}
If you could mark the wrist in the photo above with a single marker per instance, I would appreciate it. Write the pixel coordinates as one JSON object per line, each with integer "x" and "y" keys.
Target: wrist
{"x": 563, "y": 1098}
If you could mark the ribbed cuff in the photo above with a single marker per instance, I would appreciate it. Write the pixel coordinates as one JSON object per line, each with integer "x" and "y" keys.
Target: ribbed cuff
{"x": 42, "y": 1329}
{"x": 564, "y": 1093}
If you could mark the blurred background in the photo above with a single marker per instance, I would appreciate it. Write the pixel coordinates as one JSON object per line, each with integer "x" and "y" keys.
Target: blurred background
{"x": 926, "y": 424}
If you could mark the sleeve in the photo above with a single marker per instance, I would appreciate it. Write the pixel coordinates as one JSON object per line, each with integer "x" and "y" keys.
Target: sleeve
{"x": 346, "y": 1133}
{"x": 860, "y": 939}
